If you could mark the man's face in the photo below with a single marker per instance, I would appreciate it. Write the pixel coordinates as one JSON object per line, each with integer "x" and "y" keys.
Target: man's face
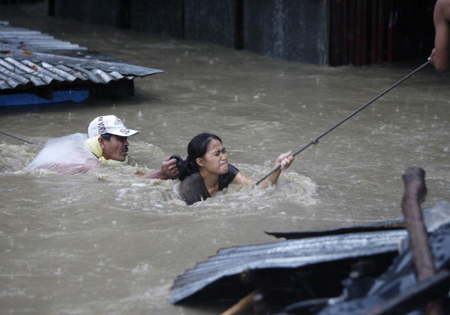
{"x": 116, "y": 148}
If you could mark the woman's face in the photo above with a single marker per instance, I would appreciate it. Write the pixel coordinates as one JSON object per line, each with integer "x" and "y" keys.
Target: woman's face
{"x": 215, "y": 159}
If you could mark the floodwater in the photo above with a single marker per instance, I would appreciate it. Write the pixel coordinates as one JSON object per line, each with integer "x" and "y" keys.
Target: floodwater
{"x": 109, "y": 242}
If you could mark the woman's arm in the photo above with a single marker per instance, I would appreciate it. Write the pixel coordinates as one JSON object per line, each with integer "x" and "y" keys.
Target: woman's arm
{"x": 284, "y": 160}
{"x": 240, "y": 179}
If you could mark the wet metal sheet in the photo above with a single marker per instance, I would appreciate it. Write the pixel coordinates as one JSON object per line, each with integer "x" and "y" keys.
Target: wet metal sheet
{"x": 394, "y": 224}
{"x": 397, "y": 279}
{"x": 284, "y": 254}
{"x": 30, "y": 58}
{"x": 87, "y": 62}
{"x": 12, "y": 38}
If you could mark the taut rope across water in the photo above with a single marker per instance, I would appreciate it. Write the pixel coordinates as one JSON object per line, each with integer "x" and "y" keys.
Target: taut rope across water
{"x": 316, "y": 141}
{"x": 13, "y": 136}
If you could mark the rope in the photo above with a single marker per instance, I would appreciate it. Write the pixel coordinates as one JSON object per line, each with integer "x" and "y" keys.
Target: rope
{"x": 8, "y": 134}
{"x": 316, "y": 141}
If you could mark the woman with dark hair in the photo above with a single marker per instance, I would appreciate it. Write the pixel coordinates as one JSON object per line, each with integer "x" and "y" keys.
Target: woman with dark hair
{"x": 206, "y": 169}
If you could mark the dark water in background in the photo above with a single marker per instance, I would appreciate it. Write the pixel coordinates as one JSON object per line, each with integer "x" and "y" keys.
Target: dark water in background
{"x": 110, "y": 242}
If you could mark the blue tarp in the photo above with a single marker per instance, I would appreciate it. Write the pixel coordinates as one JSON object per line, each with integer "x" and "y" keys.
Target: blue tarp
{"x": 30, "y": 99}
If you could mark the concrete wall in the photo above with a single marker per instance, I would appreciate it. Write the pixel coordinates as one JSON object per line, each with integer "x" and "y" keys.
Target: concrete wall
{"x": 163, "y": 17}
{"x": 212, "y": 21}
{"x": 287, "y": 29}
{"x": 93, "y": 11}
{"x": 292, "y": 30}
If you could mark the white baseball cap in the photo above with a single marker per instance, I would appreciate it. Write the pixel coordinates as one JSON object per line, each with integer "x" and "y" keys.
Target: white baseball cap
{"x": 109, "y": 124}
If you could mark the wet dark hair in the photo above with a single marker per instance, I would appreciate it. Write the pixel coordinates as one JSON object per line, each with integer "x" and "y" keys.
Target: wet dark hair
{"x": 106, "y": 136}
{"x": 196, "y": 149}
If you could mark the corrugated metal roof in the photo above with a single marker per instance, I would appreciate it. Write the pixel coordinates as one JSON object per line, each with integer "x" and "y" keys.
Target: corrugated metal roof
{"x": 312, "y": 250}
{"x": 399, "y": 277}
{"x": 36, "y": 59}
{"x": 284, "y": 254}
{"x": 12, "y": 38}
{"x": 395, "y": 224}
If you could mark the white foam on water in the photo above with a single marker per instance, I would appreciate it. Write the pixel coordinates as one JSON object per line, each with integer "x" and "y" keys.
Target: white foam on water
{"x": 15, "y": 157}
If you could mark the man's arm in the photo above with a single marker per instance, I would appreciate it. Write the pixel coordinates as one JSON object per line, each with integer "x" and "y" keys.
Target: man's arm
{"x": 168, "y": 170}
{"x": 88, "y": 166}
{"x": 440, "y": 54}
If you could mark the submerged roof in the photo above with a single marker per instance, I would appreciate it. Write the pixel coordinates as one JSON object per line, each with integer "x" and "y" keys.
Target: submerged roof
{"x": 30, "y": 58}
{"x": 313, "y": 248}
{"x": 284, "y": 254}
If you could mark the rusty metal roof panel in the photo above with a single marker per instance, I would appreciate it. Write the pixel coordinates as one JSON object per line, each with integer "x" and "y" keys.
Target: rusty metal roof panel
{"x": 41, "y": 68}
{"x": 12, "y": 38}
{"x": 38, "y": 45}
{"x": 393, "y": 224}
{"x": 87, "y": 62}
{"x": 105, "y": 77}
{"x": 41, "y": 72}
{"x": 116, "y": 75}
{"x": 61, "y": 73}
{"x": 7, "y": 84}
{"x": 284, "y": 254}
{"x": 91, "y": 76}
{"x": 73, "y": 72}
{"x": 8, "y": 75}
{"x": 32, "y": 58}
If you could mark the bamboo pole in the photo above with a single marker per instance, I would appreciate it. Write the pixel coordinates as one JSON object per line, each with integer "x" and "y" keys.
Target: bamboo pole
{"x": 241, "y": 306}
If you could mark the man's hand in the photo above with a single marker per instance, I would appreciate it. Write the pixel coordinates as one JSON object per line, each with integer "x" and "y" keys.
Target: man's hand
{"x": 169, "y": 170}
{"x": 169, "y": 167}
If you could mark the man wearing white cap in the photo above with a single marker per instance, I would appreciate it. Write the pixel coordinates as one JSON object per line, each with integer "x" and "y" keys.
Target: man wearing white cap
{"x": 106, "y": 142}
{"x": 108, "y": 139}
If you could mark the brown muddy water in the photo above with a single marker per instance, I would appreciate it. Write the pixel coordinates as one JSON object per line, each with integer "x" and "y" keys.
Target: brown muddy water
{"x": 109, "y": 242}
